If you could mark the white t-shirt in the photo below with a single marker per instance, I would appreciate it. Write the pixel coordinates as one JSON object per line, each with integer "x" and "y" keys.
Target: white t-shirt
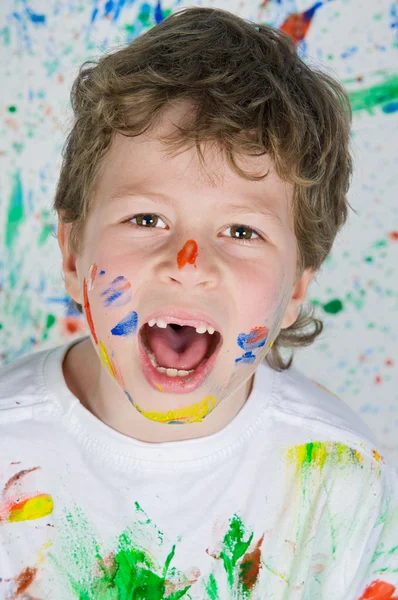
{"x": 291, "y": 500}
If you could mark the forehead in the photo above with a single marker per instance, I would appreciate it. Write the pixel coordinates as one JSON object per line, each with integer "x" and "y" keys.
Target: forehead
{"x": 145, "y": 163}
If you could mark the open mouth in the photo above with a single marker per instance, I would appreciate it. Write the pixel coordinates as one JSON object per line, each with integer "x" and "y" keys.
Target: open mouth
{"x": 178, "y": 350}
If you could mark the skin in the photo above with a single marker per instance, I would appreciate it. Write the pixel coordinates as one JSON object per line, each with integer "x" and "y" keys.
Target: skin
{"x": 191, "y": 259}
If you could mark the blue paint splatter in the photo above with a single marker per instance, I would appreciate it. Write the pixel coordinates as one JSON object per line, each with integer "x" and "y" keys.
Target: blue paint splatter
{"x": 34, "y": 17}
{"x": 392, "y": 107}
{"x": 129, "y": 397}
{"x": 127, "y": 325}
{"x": 158, "y": 13}
{"x": 250, "y": 341}
{"x": 119, "y": 287}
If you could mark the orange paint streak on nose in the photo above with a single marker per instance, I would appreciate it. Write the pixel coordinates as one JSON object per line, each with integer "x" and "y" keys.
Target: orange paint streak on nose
{"x": 188, "y": 254}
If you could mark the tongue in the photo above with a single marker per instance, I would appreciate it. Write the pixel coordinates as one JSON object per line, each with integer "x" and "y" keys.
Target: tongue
{"x": 178, "y": 349}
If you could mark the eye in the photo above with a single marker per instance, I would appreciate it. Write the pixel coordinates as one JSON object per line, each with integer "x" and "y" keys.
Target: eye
{"x": 150, "y": 220}
{"x": 242, "y": 235}
{"x": 146, "y": 220}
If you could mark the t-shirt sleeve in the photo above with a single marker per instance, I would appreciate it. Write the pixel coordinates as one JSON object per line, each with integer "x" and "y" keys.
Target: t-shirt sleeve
{"x": 377, "y": 575}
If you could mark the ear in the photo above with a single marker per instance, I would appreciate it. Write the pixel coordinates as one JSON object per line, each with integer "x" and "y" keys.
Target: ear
{"x": 69, "y": 260}
{"x": 297, "y": 299}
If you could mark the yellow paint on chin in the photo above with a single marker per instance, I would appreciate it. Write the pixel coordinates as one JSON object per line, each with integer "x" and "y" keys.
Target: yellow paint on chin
{"x": 105, "y": 359}
{"x": 191, "y": 414}
{"x": 33, "y": 508}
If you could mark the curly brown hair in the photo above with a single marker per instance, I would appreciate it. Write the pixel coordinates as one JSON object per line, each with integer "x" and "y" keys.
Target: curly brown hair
{"x": 252, "y": 95}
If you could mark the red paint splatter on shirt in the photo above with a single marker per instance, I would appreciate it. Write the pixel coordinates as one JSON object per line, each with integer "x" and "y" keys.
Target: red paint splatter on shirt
{"x": 188, "y": 254}
{"x": 379, "y": 590}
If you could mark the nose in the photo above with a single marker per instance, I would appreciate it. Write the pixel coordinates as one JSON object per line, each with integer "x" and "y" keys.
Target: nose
{"x": 190, "y": 266}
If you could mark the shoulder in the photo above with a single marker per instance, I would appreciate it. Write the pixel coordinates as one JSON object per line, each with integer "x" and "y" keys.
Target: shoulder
{"x": 300, "y": 396}
{"x": 22, "y": 382}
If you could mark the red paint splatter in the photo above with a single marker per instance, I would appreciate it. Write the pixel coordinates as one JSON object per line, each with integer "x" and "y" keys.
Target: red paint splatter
{"x": 88, "y": 312}
{"x": 261, "y": 333}
{"x": 378, "y": 379}
{"x": 389, "y": 362}
{"x": 188, "y": 254}
{"x": 296, "y": 25}
{"x": 394, "y": 236}
{"x": 93, "y": 274}
{"x": 379, "y": 590}
{"x": 250, "y": 566}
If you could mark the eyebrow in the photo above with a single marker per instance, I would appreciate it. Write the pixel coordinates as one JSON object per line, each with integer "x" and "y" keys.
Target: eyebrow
{"x": 259, "y": 207}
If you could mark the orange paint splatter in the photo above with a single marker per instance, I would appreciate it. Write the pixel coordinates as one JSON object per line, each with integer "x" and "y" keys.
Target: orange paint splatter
{"x": 250, "y": 566}
{"x": 260, "y": 333}
{"x": 88, "y": 312}
{"x": 394, "y": 236}
{"x": 188, "y": 254}
{"x": 379, "y": 590}
{"x": 296, "y": 25}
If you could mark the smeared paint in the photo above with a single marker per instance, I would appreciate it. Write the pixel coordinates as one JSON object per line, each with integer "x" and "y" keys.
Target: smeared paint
{"x": 129, "y": 571}
{"x": 190, "y": 414}
{"x": 127, "y": 325}
{"x": 88, "y": 312}
{"x": 297, "y": 24}
{"x": 106, "y": 361}
{"x": 91, "y": 276}
{"x": 241, "y": 565}
{"x": 118, "y": 293}
{"x": 22, "y": 582}
{"x": 27, "y": 510}
{"x": 309, "y": 459}
{"x": 379, "y": 590}
{"x": 256, "y": 338}
{"x": 188, "y": 254}
{"x": 17, "y": 507}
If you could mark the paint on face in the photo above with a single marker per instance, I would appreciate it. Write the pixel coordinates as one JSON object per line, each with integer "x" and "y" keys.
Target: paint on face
{"x": 127, "y": 325}
{"x": 190, "y": 414}
{"x": 118, "y": 293}
{"x": 188, "y": 254}
{"x": 91, "y": 276}
{"x": 249, "y": 341}
{"x": 88, "y": 312}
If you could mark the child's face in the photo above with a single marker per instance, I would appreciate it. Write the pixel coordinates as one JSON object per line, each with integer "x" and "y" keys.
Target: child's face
{"x": 185, "y": 254}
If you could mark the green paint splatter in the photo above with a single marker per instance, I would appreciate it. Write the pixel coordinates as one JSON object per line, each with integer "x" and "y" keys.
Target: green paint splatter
{"x": 333, "y": 307}
{"x": 127, "y": 572}
{"x": 12, "y": 109}
{"x": 377, "y": 95}
{"x": 15, "y": 211}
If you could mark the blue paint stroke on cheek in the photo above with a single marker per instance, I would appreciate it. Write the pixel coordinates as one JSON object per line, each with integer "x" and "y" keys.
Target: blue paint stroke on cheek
{"x": 127, "y": 325}
{"x": 129, "y": 397}
{"x": 118, "y": 288}
{"x": 249, "y": 342}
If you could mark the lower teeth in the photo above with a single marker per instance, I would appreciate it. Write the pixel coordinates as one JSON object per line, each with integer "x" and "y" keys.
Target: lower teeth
{"x": 170, "y": 372}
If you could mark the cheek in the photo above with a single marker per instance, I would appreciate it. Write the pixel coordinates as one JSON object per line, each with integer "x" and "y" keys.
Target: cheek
{"x": 258, "y": 292}
{"x": 108, "y": 300}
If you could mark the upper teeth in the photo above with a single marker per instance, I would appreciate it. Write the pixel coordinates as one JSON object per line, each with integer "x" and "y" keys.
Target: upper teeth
{"x": 201, "y": 329}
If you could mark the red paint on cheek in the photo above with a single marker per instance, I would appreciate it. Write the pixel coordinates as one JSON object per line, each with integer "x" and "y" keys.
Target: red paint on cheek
{"x": 379, "y": 590}
{"x": 88, "y": 312}
{"x": 258, "y": 333}
{"x": 188, "y": 254}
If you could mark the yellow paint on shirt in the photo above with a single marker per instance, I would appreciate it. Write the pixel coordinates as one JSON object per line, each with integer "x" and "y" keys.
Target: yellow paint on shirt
{"x": 33, "y": 508}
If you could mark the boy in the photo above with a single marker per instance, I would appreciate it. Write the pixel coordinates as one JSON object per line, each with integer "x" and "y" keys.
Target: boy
{"x": 172, "y": 453}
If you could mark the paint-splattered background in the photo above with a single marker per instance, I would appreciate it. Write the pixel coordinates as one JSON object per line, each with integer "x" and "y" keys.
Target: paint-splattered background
{"x": 42, "y": 45}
